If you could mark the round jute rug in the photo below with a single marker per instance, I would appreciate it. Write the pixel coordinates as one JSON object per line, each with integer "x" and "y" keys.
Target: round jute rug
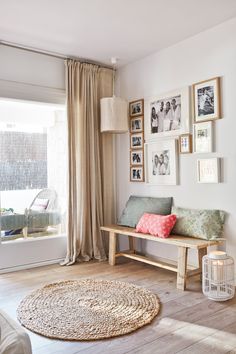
{"x": 87, "y": 309}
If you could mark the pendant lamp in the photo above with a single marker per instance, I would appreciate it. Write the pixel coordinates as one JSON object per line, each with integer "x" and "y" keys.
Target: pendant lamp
{"x": 114, "y": 111}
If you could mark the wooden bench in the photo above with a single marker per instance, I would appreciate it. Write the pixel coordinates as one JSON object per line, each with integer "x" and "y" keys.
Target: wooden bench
{"x": 182, "y": 242}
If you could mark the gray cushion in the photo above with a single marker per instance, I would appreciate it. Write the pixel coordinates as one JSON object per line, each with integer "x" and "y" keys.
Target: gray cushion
{"x": 200, "y": 223}
{"x": 137, "y": 206}
{"x": 14, "y": 339}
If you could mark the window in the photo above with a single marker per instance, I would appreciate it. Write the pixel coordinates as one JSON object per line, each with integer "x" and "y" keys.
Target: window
{"x": 33, "y": 169}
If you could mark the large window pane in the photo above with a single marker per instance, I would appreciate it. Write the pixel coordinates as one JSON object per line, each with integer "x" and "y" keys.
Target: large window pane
{"x": 33, "y": 165}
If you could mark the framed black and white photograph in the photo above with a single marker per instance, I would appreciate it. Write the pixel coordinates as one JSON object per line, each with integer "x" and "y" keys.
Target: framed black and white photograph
{"x": 161, "y": 162}
{"x": 136, "y": 108}
{"x": 136, "y": 124}
{"x": 185, "y": 144}
{"x": 208, "y": 170}
{"x": 167, "y": 114}
{"x": 203, "y": 140}
{"x": 136, "y": 174}
{"x": 136, "y": 141}
{"x": 136, "y": 157}
{"x": 207, "y": 100}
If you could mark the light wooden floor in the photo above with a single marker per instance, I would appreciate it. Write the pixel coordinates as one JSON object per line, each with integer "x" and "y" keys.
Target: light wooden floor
{"x": 187, "y": 323}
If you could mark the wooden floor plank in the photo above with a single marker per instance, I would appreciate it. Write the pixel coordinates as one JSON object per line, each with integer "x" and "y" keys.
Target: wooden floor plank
{"x": 187, "y": 320}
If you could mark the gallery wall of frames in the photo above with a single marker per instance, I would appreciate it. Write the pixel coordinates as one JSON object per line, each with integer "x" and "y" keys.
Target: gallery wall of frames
{"x": 175, "y": 123}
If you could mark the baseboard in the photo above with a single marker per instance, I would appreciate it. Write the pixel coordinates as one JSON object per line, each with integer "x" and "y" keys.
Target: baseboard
{"x": 30, "y": 265}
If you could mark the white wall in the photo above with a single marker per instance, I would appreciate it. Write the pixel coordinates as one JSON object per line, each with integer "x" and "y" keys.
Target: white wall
{"x": 36, "y": 77}
{"x": 209, "y": 54}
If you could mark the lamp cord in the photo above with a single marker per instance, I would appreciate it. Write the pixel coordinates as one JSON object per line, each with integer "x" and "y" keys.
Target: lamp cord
{"x": 113, "y": 83}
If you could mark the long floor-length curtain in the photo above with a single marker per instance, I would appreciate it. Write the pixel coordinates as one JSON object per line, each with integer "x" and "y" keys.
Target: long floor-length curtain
{"x": 91, "y": 195}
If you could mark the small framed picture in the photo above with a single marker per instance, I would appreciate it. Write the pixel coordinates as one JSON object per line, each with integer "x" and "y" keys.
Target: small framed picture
{"x": 136, "y": 141}
{"x": 136, "y": 124}
{"x": 136, "y": 174}
{"x": 207, "y": 100}
{"x": 136, "y": 157}
{"x": 208, "y": 170}
{"x": 136, "y": 108}
{"x": 185, "y": 144}
{"x": 203, "y": 141}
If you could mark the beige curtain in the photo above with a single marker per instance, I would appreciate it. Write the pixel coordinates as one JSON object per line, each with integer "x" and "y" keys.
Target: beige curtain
{"x": 91, "y": 170}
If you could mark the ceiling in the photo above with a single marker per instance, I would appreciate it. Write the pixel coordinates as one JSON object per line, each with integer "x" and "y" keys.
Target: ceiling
{"x": 101, "y": 29}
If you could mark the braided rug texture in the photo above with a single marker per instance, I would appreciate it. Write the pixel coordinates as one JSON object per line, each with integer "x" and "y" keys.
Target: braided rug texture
{"x": 87, "y": 309}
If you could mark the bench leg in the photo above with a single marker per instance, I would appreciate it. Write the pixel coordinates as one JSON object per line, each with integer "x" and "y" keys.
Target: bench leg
{"x": 201, "y": 252}
{"x": 112, "y": 248}
{"x": 131, "y": 244}
{"x": 182, "y": 267}
{"x": 25, "y": 232}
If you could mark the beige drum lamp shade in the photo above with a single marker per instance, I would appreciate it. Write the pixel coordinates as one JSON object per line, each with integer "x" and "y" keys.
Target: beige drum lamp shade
{"x": 114, "y": 115}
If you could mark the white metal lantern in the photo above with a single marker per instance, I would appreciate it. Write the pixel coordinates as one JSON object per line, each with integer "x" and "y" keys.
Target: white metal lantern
{"x": 218, "y": 276}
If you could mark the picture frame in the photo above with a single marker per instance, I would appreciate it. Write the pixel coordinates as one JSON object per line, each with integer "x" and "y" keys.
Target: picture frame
{"x": 185, "y": 144}
{"x": 207, "y": 100}
{"x": 168, "y": 114}
{"x": 136, "y": 108}
{"x": 136, "y": 124}
{"x": 208, "y": 170}
{"x": 161, "y": 162}
{"x": 136, "y": 157}
{"x": 203, "y": 137}
{"x": 136, "y": 141}
{"x": 136, "y": 174}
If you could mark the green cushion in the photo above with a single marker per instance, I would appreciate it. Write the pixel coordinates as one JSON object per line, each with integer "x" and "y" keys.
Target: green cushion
{"x": 137, "y": 206}
{"x": 200, "y": 223}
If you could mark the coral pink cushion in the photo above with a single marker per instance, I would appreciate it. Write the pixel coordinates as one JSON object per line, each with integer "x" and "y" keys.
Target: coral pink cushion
{"x": 156, "y": 225}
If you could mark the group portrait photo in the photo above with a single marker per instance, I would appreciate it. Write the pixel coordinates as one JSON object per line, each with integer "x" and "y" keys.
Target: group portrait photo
{"x": 165, "y": 114}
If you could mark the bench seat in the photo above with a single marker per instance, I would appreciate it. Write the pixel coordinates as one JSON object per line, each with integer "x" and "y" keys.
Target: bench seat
{"x": 182, "y": 242}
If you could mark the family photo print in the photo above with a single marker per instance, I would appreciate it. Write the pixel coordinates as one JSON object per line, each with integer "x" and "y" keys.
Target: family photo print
{"x": 136, "y": 174}
{"x": 161, "y": 162}
{"x": 136, "y": 108}
{"x": 167, "y": 114}
{"x": 207, "y": 100}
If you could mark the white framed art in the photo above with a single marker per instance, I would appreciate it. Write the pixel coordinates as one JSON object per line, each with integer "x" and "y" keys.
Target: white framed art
{"x": 203, "y": 137}
{"x": 167, "y": 115}
{"x": 208, "y": 170}
{"x": 161, "y": 164}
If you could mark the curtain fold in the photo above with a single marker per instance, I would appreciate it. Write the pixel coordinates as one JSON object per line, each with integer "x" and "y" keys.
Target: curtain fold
{"x": 91, "y": 194}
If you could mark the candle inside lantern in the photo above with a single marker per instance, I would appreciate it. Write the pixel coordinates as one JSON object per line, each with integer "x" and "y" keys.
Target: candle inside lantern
{"x": 217, "y": 271}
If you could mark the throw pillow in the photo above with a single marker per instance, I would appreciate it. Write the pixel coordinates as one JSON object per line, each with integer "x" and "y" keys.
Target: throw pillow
{"x": 200, "y": 223}
{"x": 137, "y": 206}
{"x": 40, "y": 204}
{"x": 156, "y": 225}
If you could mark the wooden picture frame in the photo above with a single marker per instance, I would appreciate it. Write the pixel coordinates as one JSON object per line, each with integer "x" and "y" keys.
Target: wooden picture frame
{"x": 136, "y": 124}
{"x": 207, "y": 100}
{"x": 136, "y": 157}
{"x": 136, "y": 108}
{"x": 136, "y": 141}
{"x": 136, "y": 174}
{"x": 185, "y": 144}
